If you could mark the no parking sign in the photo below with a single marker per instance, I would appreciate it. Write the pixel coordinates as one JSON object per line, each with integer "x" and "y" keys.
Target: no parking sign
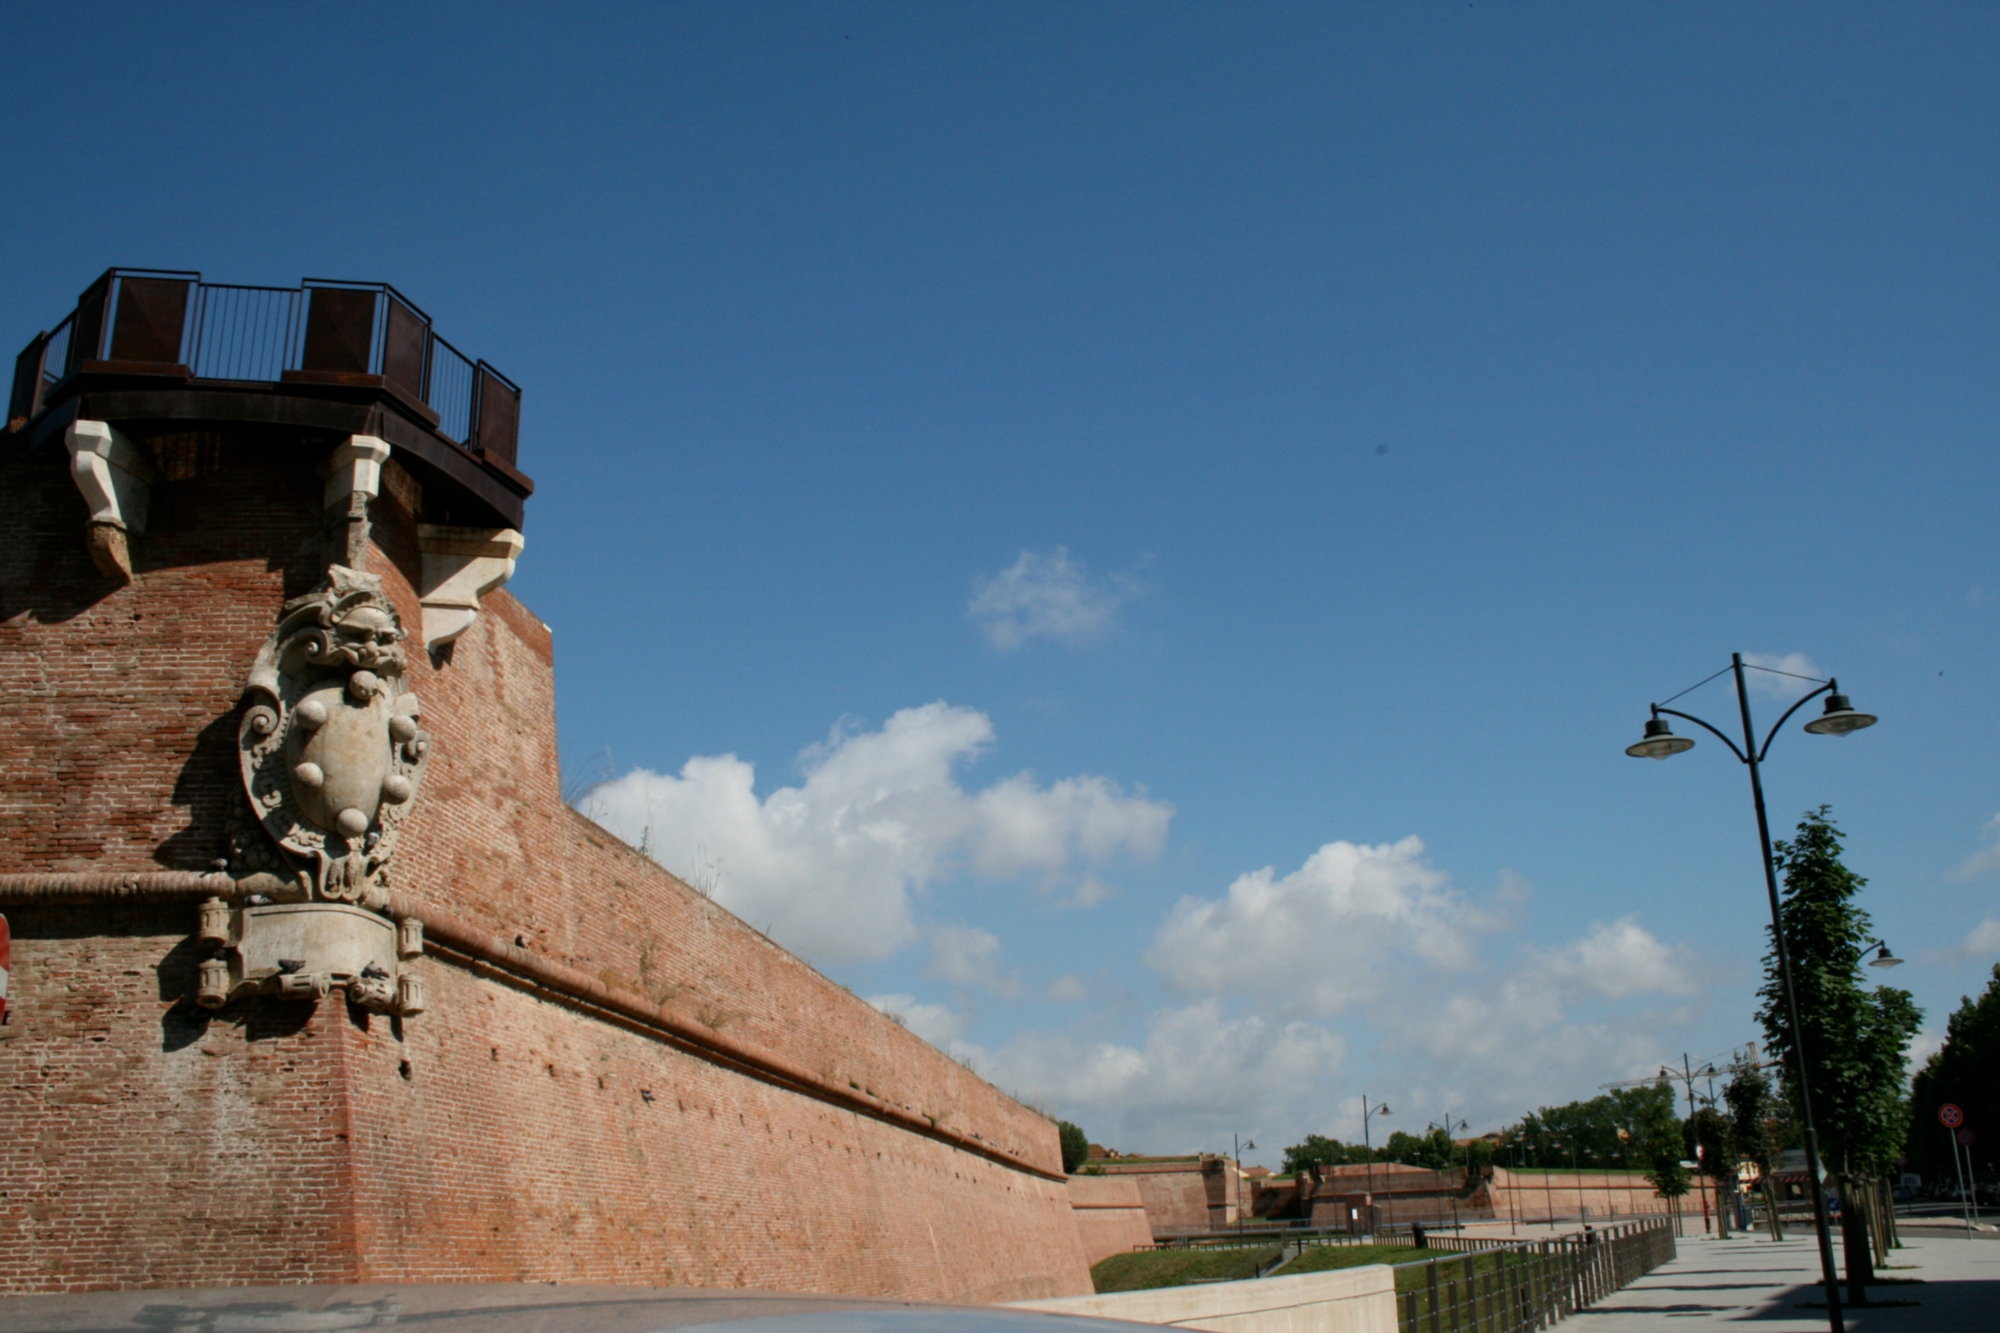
{"x": 1950, "y": 1116}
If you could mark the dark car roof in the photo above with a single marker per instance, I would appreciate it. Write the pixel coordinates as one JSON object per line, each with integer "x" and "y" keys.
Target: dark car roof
{"x": 506, "y": 1308}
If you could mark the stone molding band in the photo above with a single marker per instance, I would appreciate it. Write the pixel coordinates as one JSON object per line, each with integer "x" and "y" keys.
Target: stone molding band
{"x": 454, "y": 940}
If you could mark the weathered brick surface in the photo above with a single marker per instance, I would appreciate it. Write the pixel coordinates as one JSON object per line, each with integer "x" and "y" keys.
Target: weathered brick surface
{"x": 498, "y": 1136}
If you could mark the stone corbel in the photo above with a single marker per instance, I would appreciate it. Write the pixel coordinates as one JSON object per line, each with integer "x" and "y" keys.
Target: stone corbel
{"x": 461, "y": 565}
{"x": 353, "y": 478}
{"x": 113, "y": 475}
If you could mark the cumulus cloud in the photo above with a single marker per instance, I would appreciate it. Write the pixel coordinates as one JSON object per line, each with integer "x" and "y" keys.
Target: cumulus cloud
{"x": 968, "y": 956}
{"x": 1984, "y": 863}
{"x": 935, "y": 1023}
{"x": 1046, "y": 597}
{"x": 828, "y": 867}
{"x": 1619, "y": 959}
{"x": 1068, "y": 989}
{"x": 1328, "y": 935}
{"x": 1983, "y": 942}
{"x": 1200, "y": 1073}
{"x": 1786, "y": 686}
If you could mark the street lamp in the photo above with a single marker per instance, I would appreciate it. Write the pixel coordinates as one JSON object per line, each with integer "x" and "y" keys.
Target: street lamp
{"x": 1366, "y": 1143}
{"x": 1237, "y": 1153}
{"x": 1838, "y": 719}
{"x": 1882, "y": 958}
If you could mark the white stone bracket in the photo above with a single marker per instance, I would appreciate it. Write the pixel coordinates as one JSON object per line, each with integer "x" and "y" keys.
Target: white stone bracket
{"x": 353, "y": 477}
{"x": 355, "y": 468}
{"x": 115, "y": 477}
{"x": 461, "y": 565}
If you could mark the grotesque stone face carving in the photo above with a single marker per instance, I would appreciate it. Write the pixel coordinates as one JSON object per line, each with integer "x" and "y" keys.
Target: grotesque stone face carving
{"x": 332, "y": 748}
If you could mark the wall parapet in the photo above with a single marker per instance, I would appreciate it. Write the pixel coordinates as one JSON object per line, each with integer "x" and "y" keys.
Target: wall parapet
{"x": 455, "y": 940}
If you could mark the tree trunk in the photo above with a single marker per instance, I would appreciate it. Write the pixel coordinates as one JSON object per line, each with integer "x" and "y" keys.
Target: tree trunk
{"x": 1857, "y": 1251}
{"x": 1891, "y": 1241}
{"x": 1771, "y": 1208}
{"x": 1721, "y": 1210}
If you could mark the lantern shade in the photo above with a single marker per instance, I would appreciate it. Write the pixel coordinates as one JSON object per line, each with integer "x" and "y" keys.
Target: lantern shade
{"x": 1839, "y": 718}
{"x": 1659, "y": 743}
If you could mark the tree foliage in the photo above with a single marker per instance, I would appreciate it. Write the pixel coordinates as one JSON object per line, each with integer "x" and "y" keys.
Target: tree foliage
{"x": 1966, "y": 1072}
{"x": 1757, "y": 1121}
{"x": 1626, "y": 1128}
{"x": 1075, "y": 1146}
{"x": 1434, "y": 1149}
{"x": 1855, "y": 1038}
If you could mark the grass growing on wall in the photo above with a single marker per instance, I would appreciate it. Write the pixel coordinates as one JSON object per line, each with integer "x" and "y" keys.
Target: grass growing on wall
{"x": 1142, "y": 1270}
{"x": 1321, "y": 1258}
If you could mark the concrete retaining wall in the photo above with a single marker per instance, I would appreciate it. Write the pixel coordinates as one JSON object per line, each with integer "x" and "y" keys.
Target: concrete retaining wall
{"x": 1349, "y": 1300}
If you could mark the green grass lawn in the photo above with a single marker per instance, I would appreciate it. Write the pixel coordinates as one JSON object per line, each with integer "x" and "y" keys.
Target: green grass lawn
{"x": 1321, "y": 1258}
{"x": 1142, "y": 1270}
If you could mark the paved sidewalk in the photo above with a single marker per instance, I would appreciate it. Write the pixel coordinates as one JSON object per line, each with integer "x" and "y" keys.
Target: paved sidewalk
{"x": 1957, "y": 1290}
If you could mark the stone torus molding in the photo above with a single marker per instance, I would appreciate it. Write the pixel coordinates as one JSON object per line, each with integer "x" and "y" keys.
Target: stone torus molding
{"x": 113, "y": 475}
{"x": 353, "y": 478}
{"x": 462, "y": 565}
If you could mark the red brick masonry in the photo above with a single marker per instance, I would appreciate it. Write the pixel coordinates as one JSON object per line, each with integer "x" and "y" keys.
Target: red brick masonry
{"x": 616, "y": 1079}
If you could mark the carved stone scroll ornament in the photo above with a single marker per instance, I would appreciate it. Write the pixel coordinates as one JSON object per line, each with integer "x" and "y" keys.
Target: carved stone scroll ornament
{"x": 332, "y": 747}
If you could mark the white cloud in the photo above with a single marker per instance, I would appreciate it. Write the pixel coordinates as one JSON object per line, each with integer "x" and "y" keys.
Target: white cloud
{"x": 1984, "y": 863}
{"x": 1785, "y": 686}
{"x": 828, "y": 866}
{"x": 968, "y": 956}
{"x": 1199, "y": 1075}
{"x": 1328, "y": 935}
{"x": 935, "y": 1023}
{"x": 1983, "y": 943}
{"x": 1046, "y": 597}
{"x": 1619, "y": 959}
{"x": 1068, "y": 989}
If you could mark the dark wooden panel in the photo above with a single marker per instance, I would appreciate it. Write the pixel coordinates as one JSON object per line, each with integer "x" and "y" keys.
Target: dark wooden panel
{"x": 499, "y": 417}
{"x": 151, "y": 316}
{"x": 405, "y": 342}
{"x": 86, "y": 337}
{"x": 26, "y": 399}
{"x": 340, "y": 331}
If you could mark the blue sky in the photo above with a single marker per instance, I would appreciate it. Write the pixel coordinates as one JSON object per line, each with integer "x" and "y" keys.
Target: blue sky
{"x": 1047, "y": 502}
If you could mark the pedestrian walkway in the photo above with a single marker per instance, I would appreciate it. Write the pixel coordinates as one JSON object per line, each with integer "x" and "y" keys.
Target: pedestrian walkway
{"x": 1944, "y": 1286}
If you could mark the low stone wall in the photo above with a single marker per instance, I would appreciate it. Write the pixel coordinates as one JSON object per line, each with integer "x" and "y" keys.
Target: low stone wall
{"x": 1110, "y": 1216}
{"x": 1348, "y": 1300}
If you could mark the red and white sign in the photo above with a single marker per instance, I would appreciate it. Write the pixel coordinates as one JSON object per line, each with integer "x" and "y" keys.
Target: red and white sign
{"x": 1950, "y": 1116}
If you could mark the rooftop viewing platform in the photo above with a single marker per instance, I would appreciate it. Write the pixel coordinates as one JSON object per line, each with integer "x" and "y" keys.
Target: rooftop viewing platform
{"x": 152, "y": 345}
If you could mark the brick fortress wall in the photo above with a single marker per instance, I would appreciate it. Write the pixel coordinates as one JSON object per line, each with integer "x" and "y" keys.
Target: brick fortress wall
{"x": 502, "y": 1135}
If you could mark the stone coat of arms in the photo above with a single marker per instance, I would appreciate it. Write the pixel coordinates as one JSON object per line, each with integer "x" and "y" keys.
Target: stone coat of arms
{"x": 333, "y": 753}
{"x": 333, "y": 750}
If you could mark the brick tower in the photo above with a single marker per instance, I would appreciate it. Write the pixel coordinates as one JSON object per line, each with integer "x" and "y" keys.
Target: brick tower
{"x": 316, "y": 978}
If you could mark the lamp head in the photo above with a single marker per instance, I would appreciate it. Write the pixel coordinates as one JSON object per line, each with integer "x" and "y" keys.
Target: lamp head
{"x": 1883, "y": 958}
{"x": 1660, "y": 741}
{"x": 1839, "y": 717}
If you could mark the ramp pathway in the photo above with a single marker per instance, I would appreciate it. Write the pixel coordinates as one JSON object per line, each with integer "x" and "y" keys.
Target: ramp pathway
{"x": 1775, "y": 1289}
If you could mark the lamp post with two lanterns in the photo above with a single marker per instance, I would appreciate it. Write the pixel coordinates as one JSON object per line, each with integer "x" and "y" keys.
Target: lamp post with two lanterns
{"x": 1838, "y": 719}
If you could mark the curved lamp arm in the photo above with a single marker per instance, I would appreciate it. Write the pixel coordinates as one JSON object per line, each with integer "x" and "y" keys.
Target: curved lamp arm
{"x": 1733, "y": 749}
{"x": 1803, "y": 701}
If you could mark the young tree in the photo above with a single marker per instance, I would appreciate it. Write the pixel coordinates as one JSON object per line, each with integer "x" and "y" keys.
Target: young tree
{"x": 1965, "y": 1071}
{"x": 1855, "y": 1039}
{"x": 1715, "y": 1148}
{"x": 1075, "y": 1147}
{"x": 1757, "y": 1126}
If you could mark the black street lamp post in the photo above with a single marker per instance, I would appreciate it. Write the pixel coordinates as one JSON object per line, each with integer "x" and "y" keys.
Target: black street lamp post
{"x": 1368, "y": 1145}
{"x": 1838, "y": 719}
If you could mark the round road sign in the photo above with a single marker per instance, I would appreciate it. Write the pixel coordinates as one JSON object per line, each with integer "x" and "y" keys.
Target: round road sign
{"x": 1965, "y": 1137}
{"x": 1950, "y": 1116}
